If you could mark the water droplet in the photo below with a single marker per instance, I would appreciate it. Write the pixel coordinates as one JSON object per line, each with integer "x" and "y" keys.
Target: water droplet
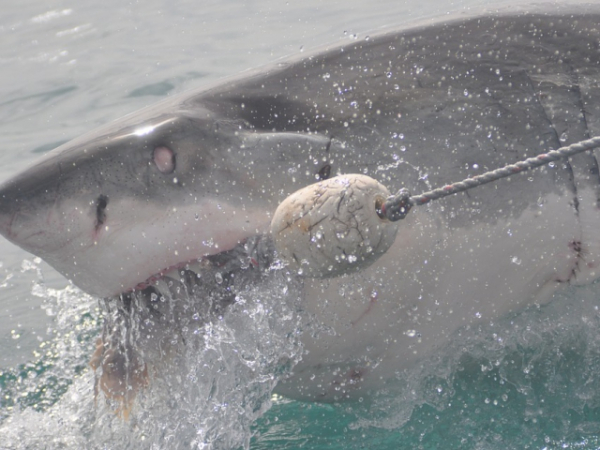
{"x": 515, "y": 260}
{"x": 411, "y": 333}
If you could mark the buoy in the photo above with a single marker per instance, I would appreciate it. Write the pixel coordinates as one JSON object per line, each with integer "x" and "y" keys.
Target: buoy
{"x": 333, "y": 227}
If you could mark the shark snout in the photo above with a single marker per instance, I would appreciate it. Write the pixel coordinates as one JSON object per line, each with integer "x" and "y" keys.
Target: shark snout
{"x": 11, "y": 210}
{"x": 31, "y": 212}
{"x": 26, "y": 227}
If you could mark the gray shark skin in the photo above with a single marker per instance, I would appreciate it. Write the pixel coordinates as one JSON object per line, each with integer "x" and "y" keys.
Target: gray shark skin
{"x": 200, "y": 173}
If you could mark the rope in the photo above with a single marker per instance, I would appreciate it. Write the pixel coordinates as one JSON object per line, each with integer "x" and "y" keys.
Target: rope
{"x": 397, "y": 206}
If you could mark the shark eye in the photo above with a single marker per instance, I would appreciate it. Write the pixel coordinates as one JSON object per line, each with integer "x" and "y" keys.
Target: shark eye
{"x": 164, "y": 158}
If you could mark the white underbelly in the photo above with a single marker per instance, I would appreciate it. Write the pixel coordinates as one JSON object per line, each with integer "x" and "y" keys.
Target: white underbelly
{"x": 433, "y": 281}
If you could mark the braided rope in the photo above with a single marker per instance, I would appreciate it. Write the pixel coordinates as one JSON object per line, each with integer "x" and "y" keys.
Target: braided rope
{"x": 397, "y": 206}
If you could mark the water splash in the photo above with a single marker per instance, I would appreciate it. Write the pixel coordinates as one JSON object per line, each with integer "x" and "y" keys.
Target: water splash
{"x": 215, "y": 377}
{"x": 530, "y": 380}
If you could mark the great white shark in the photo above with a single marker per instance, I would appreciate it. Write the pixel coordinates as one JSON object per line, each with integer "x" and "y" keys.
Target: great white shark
{"x": 200, "y": 174}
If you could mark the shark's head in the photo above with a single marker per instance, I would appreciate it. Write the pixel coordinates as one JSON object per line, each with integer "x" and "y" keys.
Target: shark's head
{"x": 158, "y": 189}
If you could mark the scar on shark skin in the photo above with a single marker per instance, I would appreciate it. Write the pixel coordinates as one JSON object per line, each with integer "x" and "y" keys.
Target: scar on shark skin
{"x": 372, "y": 302}
{"x": 349, "y": 380}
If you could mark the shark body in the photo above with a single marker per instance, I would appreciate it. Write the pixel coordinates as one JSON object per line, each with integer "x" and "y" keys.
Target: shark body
{"x": 202, "y": 173}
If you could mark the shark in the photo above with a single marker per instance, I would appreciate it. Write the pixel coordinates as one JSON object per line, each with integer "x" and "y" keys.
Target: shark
{"x": 190, "y": 185}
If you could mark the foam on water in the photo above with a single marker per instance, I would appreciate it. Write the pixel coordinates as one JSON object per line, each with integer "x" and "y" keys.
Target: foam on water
{"x": 531, "y": 380}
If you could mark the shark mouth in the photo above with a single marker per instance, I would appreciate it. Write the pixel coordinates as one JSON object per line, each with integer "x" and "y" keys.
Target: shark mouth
{"x": 145, "y": 327}
{"x": 249, "y": 258}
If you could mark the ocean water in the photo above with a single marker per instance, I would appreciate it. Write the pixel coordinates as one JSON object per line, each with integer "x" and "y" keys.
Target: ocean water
{"x": 531, "y": 380}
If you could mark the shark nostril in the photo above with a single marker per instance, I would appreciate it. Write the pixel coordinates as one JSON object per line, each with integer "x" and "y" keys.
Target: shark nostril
{"x": 101, "y": 203}
{"x": 164, "y": 158}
